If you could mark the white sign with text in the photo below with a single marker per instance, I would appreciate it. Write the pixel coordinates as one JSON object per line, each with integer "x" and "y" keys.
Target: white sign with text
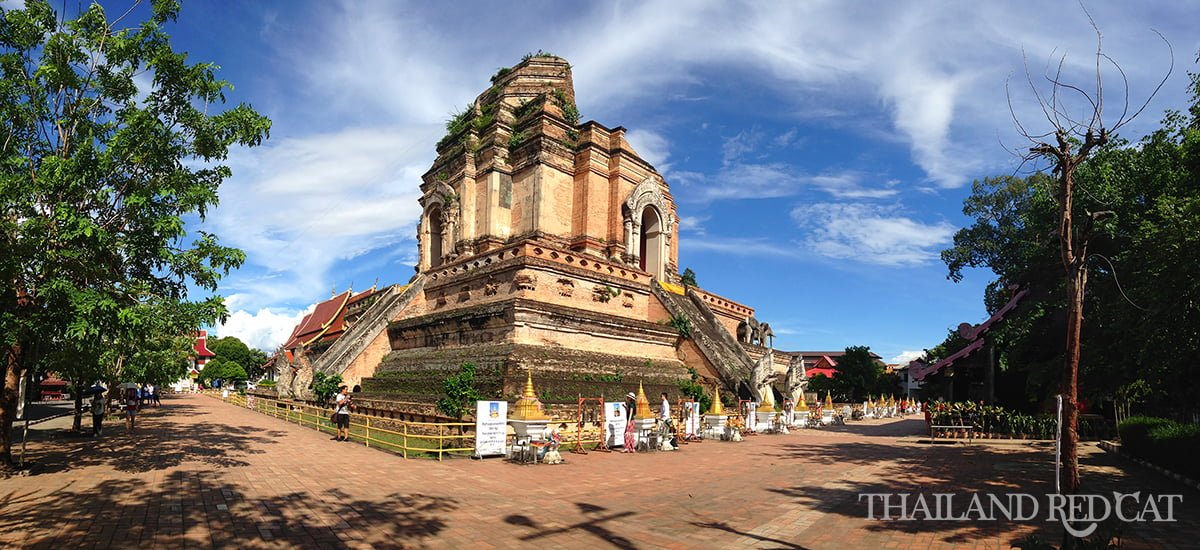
{"x": 491, "y": 427}
{"x": 614, "y": 423}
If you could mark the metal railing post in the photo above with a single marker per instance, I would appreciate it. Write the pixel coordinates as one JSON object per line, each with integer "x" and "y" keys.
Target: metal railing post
{"x": 405, "y": 447}
{"x": 367, "y": 441}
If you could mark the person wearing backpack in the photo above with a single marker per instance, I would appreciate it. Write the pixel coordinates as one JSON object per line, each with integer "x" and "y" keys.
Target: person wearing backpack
{"x": 342, "y": 408}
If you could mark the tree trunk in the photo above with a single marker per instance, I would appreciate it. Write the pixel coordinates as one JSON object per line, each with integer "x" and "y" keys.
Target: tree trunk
{"x": 1070, "y": 429}
{"x": 8, "y": 402}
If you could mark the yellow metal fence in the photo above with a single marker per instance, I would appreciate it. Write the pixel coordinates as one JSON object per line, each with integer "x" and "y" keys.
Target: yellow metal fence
{"x": 408, "y": 439}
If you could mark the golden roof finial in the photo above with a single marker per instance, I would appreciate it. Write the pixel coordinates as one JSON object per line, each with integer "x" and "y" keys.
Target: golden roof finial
{"x": 528, "y": 407}
{"x": 643, "y": 404}
{"x": 717, "y": 408}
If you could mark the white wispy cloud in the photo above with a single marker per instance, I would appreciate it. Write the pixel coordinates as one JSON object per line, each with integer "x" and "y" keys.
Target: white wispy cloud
{"x": 870, "y": 233}
{"x": 370, "y": 84}
{"x": 264, "y": 329}
{"x": 652, "y": 146}
{"x": 738, "y": 246}
{"x": 298, "y": 206}
{"x": 737, "y": 180}
{"x": 937, "y": 68}
{"x": 693, "y": 224}
{"x": 906, "y": 356}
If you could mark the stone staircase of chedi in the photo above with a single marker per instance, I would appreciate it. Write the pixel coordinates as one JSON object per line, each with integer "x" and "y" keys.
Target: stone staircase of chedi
{"x": 359, "y": 335}
{"x": 732, "y": 362}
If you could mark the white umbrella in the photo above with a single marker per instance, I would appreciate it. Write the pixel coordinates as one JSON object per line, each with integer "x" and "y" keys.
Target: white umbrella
{"x": 128, "y": 386}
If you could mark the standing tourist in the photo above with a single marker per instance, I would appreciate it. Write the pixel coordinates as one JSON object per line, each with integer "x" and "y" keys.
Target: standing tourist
{"x": 630, "y": 406}
{"x": 342, "y": 402}
{"x": 630, "y": 438}
{"x": 665, "y": 413}
{"x": 131, "y": 408}
{"x": 97, "y": 414}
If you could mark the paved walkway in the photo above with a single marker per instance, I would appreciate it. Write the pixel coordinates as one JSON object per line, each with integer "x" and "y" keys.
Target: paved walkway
{"x": 202, "y": 473}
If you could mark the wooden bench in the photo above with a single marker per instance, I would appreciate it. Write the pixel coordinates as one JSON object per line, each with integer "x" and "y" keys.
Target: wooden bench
{"x": 933, "y": 430}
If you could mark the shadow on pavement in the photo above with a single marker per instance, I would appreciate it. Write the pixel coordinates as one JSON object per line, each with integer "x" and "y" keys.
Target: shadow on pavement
{"x": 127, "y": 514}
{"x": 964, "y": 470}
{"x": 721, "y": 526}
{"x": 896, "y": 428}
{"x": 157, "y": 443}
{"x": 597, "y": 523}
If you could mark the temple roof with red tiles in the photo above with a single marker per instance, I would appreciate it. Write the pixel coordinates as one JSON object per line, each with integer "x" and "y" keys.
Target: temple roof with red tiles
{"x": 326, "y": 322}
{"x": 201, "y": 345}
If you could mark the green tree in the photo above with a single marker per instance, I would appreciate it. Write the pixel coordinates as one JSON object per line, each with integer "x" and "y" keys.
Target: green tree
{"x": 233, "y": 371}
{"x": 96, "y": 177}
{"x": 324, "y": 386}
{"x": 688, "y": 278}
{"x": 858, "y": 374}
{"x": 1097, "y": 183}
{"x": 212, "y": 370}
{"x": 230, "y": 348}
{"x": 458, "y": 392}
{"x": 820, "y": 384}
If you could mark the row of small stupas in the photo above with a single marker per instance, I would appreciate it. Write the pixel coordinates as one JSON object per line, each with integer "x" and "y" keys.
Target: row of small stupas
{"x": 545, "y": 243}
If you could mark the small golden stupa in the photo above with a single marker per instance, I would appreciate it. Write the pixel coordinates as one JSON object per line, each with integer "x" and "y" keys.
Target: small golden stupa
{"x": 643, "y": 404}
{"x": 828, "y": 400}
{"x": 716, "y": 408}
{"x": 802, "y": 405}
{"x": 528, "y": 407}
{"x": 882, "y": 403}
{"x": 892, "y": 401}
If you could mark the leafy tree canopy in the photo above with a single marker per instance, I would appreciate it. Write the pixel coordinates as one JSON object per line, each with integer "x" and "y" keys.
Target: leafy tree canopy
{"x": 97, "y": 176}
{"x": 230, "y": 348}
{"x": 1142, "y": 305}
{"x": 688, "y": 278}
{"x": 859, "y": 374}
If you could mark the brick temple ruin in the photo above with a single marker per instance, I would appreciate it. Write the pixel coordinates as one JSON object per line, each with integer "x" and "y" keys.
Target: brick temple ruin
{"x": 544, "y": 244}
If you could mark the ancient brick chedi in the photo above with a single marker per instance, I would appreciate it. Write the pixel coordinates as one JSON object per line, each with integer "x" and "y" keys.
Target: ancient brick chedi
{"x": 544, "y": 244}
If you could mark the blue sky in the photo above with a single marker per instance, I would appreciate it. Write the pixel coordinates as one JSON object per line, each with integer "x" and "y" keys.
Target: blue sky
{"x": 819, "y": 152}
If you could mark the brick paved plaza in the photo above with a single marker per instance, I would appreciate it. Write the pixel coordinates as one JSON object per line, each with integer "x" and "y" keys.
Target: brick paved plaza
{"x": 203, "y": 473}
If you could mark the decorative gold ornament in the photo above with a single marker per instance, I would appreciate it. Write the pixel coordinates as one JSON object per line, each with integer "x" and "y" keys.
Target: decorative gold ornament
{"x": 828, "y": 400}
{"x": 717, "y": 407}
{"x": 529, "y": 407}
{"x": 643, "y": 404}
{"x": 802, "y": 405}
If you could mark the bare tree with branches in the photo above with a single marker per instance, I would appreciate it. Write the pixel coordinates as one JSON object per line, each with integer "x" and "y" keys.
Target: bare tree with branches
{"x": 1069, "y": 144}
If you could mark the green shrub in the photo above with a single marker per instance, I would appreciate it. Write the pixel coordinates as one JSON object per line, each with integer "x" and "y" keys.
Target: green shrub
{"x": 515, "y": 140}
{"x": 459, "y": 393}
{"x": 1164, "y": 442}
{"x": 693, "y": 389}
{"x": 1135, "y": 432}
